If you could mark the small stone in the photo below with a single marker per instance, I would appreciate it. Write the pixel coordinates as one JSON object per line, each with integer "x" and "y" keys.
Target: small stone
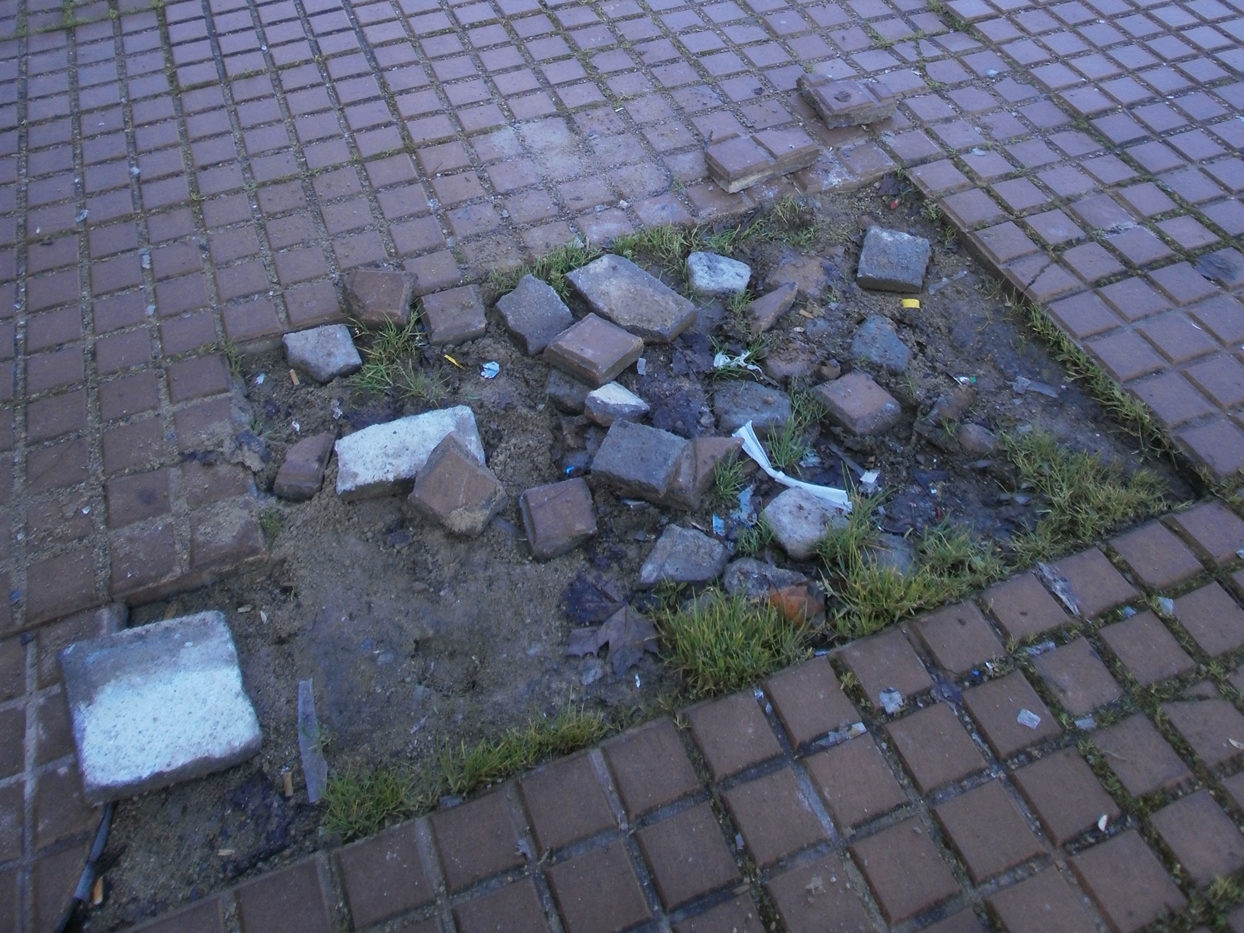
{"x": 718, "y": 276}
{"x": 302, "y": 473}
{"x": 787, "y": 363}
{"x": 534, "y": 314}
{"x": 952, "y": 406}
{"x": 621, "y": 292}
{"x": 737, "y": 402}
{"x": 456, "y": 490}
{"x": 683, "y": 555}
{"x": 753, "y": 579}
{"x": 797, "y": 604}
{"x": 380, "y": 296}
{"x": 831, "y": 370}
{"x": 385, "y": 458}
{"x": 799, "y": 520}
{"x": 158, "y": 704}
{"x": 877, "y": 342}
{"x": 323, "y": 353}
{"x": 565, "y": 393}
{"x": 809, "y": 275}
{"x": 614, "y": 402}
{"x": 594, "y": 351}
{"x": 454, "y": 316}
{"x": 858, "y": 405}
{"x": 847, "y": 103}
{"x": 557, "y": 517}
{"x": 975, "y": 440}
{"x": 892, "y": 261}
{"x": 764, "y": 312}
{"x": 638, "y": 460}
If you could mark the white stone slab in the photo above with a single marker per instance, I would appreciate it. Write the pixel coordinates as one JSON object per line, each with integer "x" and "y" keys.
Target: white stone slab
{"x": 383, "y": 459}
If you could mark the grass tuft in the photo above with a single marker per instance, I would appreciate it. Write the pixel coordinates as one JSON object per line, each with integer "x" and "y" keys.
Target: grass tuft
{"x": 552, "y": 268}
{"x": 729, "y": 478}
{"x": 358, "y": 804}
{"x": 387, "y": 354}
{"x": 789, "y": 444}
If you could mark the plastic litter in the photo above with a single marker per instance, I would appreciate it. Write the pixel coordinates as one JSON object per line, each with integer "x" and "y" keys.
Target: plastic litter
{"x": 261, "y": 379}
{"x": 752, "y": 447}
{"x": 641, "y": 366}
{"x": 490, "y": 370}
{"x": 911, "y": 303}
{"x": 455, "y": 362}
{"x": 742, "y": 361}
{"x": 719, "y": 526}
{"x": 1167, "y": 605}
{"x": 1102, "y": 822}
{"x": 1086, "y": 723}
{"x": 891, "y": 700}
{"x": 314, "y": 765}
{"x": 1028, "y": 718}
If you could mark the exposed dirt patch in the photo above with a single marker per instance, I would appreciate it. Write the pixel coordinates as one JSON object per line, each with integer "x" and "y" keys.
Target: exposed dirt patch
{"x": 414, "y": 638}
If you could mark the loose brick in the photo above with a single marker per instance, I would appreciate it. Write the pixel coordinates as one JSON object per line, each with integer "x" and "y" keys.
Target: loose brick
{"x": 773, "y": 816}
{"x": 904, "y": 870}
{"x": 1127, "y": 882}
{"x": 379, "y": 296}
{"x": 847, "y": 103}
{"x": 1065, "y": 795}
{"x": 958, "y": 638}
{"x": 565, "y": 802}
{"x": 809, "y": 702}
{"x": 1079, "y": 680}
{"x": 1147, "y": 649}
{"x": 818, "y": 897}
{"x": 456, "y": 490}
{"x": 996, "y": 707}
{"x": 732, "y": 734}
{"x": 593, "y": 351}
{"x": 302, "y": 472}
{"x": 1156, "y": 556}
{"x": 1140, "y": 757}
{"x": 1213, "y": 728}
{"x": 1212, "y": 618}
{"x": 558, "y": 517}
{"x": 476, "y": 841}
{"x": 383, "y": 876}
{"x": 688, "y": 856}
{"x": 854, "y": 782}
{"x": 534, "y": 314}
{"x": 1097, "y": 586}
{"x": 287, "y": 901}
{"x": 454, "y": 316}
{"x": 858, "y": 405}
{"x": 935, "y": 747}
{"x": 1024, "y": 608}
{"x": 650, "y": 768}
{"x": 619, "y": 291}
{"x": 886, "y": 662}
{"x": 515, "y": 907}
{"x": 1042, "y": 902}
{"x": 597, "y": 892}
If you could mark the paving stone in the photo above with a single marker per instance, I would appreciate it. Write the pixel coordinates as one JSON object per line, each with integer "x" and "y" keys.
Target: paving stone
{"x": 378, "y": 296}
{"x": 323, "y": 353}
{"x": 1127, "y": 882}
{"x": 996, "y": 707}
{"x": 963, "y": 922}
{"x": 1041, "y": 902}
{"x": 1095, "y": 584}
{"x": 534, "y": 314}
{"x": 650, "y": 768}
{"x": 1156, "y": 556}
{"x": 892, "y": 261}
{"x": 207, "y": 916}
{"x": 854, "y": 782}
{"x": 1065, "y": 795}
{"x": 732, "y": 734}
{"x": 773, "y": 816}
{"x": 638, "y": 460}
{"x": 619, "y": 291}
{"x": 935, "y": 747}
{"x": 755, "y": 579}
{"x": 764, "y": 311}
{"x": 302, "y": 472}
{"x": 383, "y": 876}
{"x": 614, "y": 402}
{"x": 717, "y": 276}
{"x": 683, "y": 555}
{"x": 736, "y": 402}
{"x": 386, "y": 458}
{"x": 1024, "y": 608}
{"x": 597, "y": 892}
{"x": 988, "y": 831}
{"x": 739, "y": 915}
{"x": 819, "y": 898}
{"x": 1147, "y": 649}
{"x": 565, "y": 802}
{"x": 287, "y": 901}
{"x": 904, "y": 870}
{"x": 877, "y": 342}
{"x": 454, "y": 316}
{"x": 1077, "y": 677}
{"x": 158, "y": 704}
{"x": 688, "y": 856}
{"x": 847, "y": 103}
{"x": 1212, "y": 618}
{"x": 799, "y": 520}
{"x": 475, "y": 840}
{"x": 593, "y": 351}
{"x": 456, "y": 490}
{"x": 858, "y": 405}
{"x": 515, "y": 908}
{"x": 886, "y": 662}
{"x": 1214, "y": 528}
{"x": 1204, "y": 840}
{"x": 1140, "y": 757}
{"x": 557, "y": 517}
{"x": 809, "y": 702}
{"x": 958, "y": 638}
{"x": 743, "y": 161}
{"x": 1213, "y": 728}
{"x": 697, "y": 470}
{"x": 566, "y": 394}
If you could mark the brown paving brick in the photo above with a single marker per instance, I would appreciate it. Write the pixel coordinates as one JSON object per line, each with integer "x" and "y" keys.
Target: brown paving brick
{"x": 597, "y": 892}
{"x": 1125, "y": 355}
{"x": 773, "y": 816}
{"x": 12, "y": 668}
{"x": 53, "y": 733}
{"x": 137, "y": 497}
{"x": 53, "y": 879}
{"x": 1140, "y": 757}
{"x": 1097, "y": 586}
{"x": 287, "y": 901}
{"x": 988, "y": 831}
{"x": 142, "y": 558}
{"x": 1213, "y": 728}
{"x": 1217, "y": 444}
{"x": 1204, "y": 840}
{"x": 383, "y": 876}
{"x": 1084, "y": 315}
{"x": 886, "y": 662}
{"x": 688, "y": 856}
{"x": 739, "y": 915}
{"x": 972, "y": 209}
{"x": 935, "y": 747}
{"x": 515, "y": 907}
{"x": 1044, "y": 901}
{"x": 650, "y": 767}
{"x": 963, "y": 922}
{"x": 60, "y": 585}
{"x": 1182, "y": 283}
{"x": 1177, "y": 338}
{"x": 1212, "y": 527}
{"x": 1147, "y": 649}
{"x": 732, "y": 734}
{"x": 1078, "y": 679}
{"x": 565, "y": 802}
{"x": 204, "y": 917}
{"x": 819, "y": 897}
{"x": 854, "y": 782}
{"x": 1024, "y": 608}
{"x": 809, "y": 702}
{"x": 1156, "y": 556}
{"x": 1174, "y": 401}
{"x": 1221, "y": 377}
{"x": 904, "y": 870}
{"x": 1212, "y": 618}
{"x": 958, "y": 638}
{"x": 12, "y": 741}
{"x": 1065, "y": 795}
{"x": 475, "y": 841}
{"x": 1127, "y": 882}
{"x": 996, "y": 707}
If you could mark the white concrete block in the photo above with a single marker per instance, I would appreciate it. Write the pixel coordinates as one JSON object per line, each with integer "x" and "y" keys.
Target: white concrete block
{"x": 383, "y": 459}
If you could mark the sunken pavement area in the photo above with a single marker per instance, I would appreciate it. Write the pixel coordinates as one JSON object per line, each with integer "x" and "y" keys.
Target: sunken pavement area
{"x": 178, "y": 177}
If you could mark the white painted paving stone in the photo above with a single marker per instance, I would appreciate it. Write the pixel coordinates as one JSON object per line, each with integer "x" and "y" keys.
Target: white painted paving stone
{"x": 323, "y": 353}
{"x": 621, "y": 292}
{"x": 800, "y": 519}
{"x": 614, "y": 402}
{"x": 158, "y": 704}
{"x": 719, "y": 276}
{"x": 385, "y": 458}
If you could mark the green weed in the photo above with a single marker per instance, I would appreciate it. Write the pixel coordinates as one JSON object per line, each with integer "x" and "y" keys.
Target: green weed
{"x": 754, "y": 539}
{"x": 388, "y": 354}
{"x": 428, "y": 387}
{"x": 729, "y": 477}
{"x": 552, "y": 268}
{"x": 789, "y": 444}
{"x": 359, "y": 804}
{"x": 271, "y": 520}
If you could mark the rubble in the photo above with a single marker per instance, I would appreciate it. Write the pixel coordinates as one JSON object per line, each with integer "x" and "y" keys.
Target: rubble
{"x": 593, "y": 351}
{"x": 638, "y": 460}
{"x": 858, "y": 405}
{"x": 565, "y": 392}
{"x": 557, "y": 517}
{"x": 534, "y": 314}
{"x": 683, "y": 555}
{"x": 454, "y": 316}
{"x": 764, "y": 312}
{"x": 376, "y": 297}
{"x": 716, "y": 276}
{"x": 302, "y": 472}
{"x": 456, "y": 490}
{"x": 847, "y": 103}
{"x": 385, "y": 458}
{"x": 737, "y": 402}
{"x": 877, "y": 342}
{"x": 753, "y": 579}
{"x": 697, "y": 469}
{"x": 619, "y": 291}
{"x": 323, "y": 353}
{"x": 976, "y": 441}
{"x": 892, "y": 261}
{"x": 800, "y": 519}
{"x": 613, "y": 402}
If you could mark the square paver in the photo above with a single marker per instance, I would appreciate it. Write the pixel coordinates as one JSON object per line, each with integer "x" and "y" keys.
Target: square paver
{"x": 740, "y": 915}
{"x": 688, "y": 856}
{"x": 597, "y": 892}
{"x": 905, "y": 871}
{"x": 958, "y": 638}
{"x": 999, "y": 709}
{"x": 1065, "y": 795}
{"x": 650, "y": 767}
{"x": 1157, "y": 557}
{"x": 818, "y": 897}
{"x": 1213, "y": 728}
{"x": 476, "y": 841}
{"x": 593, "y": 350}
{"x": 809, "y": 702}
{"x": 1214, "y": 528}
{"x": 1212, "y": 618}
{"x": 1042, "y": 902}
{"x": 1140, "y": 757}
{"x": 565, "y": 802}
{"x": 988, "y": 831}
{"x": 1204, "y": 840}
{"x": 515, "y": 907}
{"x": 773, "y": 816}
{"x": 1024, "y": 608}
{"x": 732, "y": 734}
{"x": 1079, "y": 680}
{"x": 1127, "y": 882}
{"x": 886, "y": 662}
{"x": 854, "y": 782}
{"x": 1147, "y": 649}
{"x": 383, "y": 876}
{"x": 287, "y": 901}
{"x": 1097, "y": 586}
{"x": 935, "y": 747}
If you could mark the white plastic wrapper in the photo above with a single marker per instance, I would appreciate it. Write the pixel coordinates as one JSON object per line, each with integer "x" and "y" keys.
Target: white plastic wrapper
{"x": 752, "y": 447}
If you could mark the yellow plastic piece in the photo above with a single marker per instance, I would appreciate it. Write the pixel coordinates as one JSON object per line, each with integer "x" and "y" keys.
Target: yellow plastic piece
{"x": 911, "y": 302}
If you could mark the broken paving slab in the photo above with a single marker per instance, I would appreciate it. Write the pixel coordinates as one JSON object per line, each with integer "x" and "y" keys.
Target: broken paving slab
{"x": 877, "y": 342}
{"x": 621, "y": 292}
{"x": 718, "y": 276}
{"x": 743, "y": 161}
{"x": 847, "y": 103}
{"x": 764, "y": 312}
{"x": 858, "y": 405}
{"x": 302, "y": 472}
{"x": 557, "y": 517}
{"x": 614, "y": 402}
{"x": 565, "y": 392}
{"x": 534, "y": 314}
{"x": 156, "y": 705}
{"x": 386, "y": 458}
{"x": 376, "y": 297}
{"x": 456, "y": 490}
{"x": 594, "y": 351}
{"x": 799, "y": 520}
{"x": 638, "y": 460}
{"x": 454, "y": 316}
{"x": 737, "y": 401}
{"x": 684, "y": 555}
{"x": 892, "y": 261}
{"x": 323, "y": 353}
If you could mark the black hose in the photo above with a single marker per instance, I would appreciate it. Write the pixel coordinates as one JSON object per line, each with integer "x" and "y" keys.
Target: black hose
{"x": 82, "y": 893}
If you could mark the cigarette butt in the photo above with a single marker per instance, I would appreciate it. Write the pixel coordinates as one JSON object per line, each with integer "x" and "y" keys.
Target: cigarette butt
{"x": 293, "y": 377}
{"x": 455, "y": 362}
{"x": 808, "y": 314}
{"x": 287, "y": 784}
{"x": 97, "y": 892}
